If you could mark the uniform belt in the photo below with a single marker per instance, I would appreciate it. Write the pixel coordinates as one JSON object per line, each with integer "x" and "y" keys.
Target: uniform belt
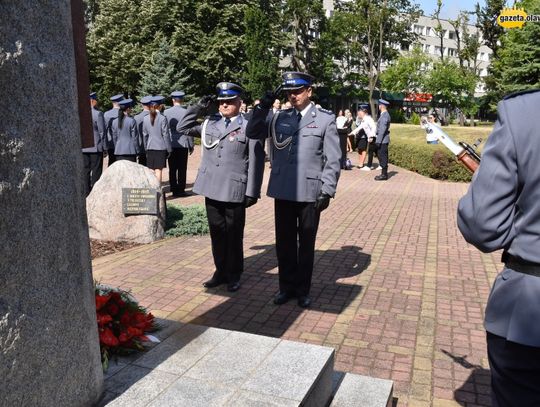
{"x": 520, "y": 265}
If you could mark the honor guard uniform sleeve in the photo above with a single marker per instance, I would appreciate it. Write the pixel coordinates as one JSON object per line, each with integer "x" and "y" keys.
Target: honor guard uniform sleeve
{"x": 332, "y": 155}
{"x": 188, "y": 124}
{"x": 383, "y": 126}
{"x": 255, "y": 168}
{"x": 486, "y": 213}
{"x": 101, "y": 131}
{"x": 166, "y": 133}
{"x": 257, "y": 127}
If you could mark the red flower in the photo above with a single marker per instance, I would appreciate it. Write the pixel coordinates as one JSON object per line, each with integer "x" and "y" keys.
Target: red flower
{"x": 134, "y": 331}
{"x": 124, "y": 337}
{"x": 107, "y": 337}
{"x": 103, "y": 319}
{"x": 125, "y": 319}
{"x": 113, "y": 309}
{"x": 101, "y": 300}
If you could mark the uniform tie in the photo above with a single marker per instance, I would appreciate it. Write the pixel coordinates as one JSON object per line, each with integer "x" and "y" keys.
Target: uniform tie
{"x": 227, "y": 122}
{"x": 298, "y": 116}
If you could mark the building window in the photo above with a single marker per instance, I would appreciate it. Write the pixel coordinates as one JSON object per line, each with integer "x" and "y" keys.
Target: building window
{"x": 427, "y": 48}
{"x": 428, "y": 32}
{"x": 451, "y": 35}
{"x": 452, "y": 52}
{"x": 418, "y": 29}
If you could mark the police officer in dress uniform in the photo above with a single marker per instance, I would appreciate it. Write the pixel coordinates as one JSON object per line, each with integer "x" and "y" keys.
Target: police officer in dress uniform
{"x": 383, "y": 138}
{"x": 139, "y": 117}
{"x": 109, "y": 116}
{"x": 501, "y": 210}
{"x": 93, "y": 156}
{"x": 182, "y": 145}
{"x": 304, "y": 176}
{"x": 125, "y": 133}
{"x": 230, "y": 178}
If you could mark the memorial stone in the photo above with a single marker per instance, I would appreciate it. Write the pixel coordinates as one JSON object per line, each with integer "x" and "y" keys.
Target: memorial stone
{"x": 49, "y": 348}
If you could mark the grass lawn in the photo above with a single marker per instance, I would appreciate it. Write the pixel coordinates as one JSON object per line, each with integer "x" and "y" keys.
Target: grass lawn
{"x": 414, "y": 134}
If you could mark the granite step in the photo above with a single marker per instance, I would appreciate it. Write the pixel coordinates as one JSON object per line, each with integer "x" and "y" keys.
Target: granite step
{"x": 201, "y": 366}
{"x": 362, "y": 391}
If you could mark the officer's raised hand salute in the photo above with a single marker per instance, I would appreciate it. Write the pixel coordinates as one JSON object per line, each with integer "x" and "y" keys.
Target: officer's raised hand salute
{"x": 304, "y": 176}
{"x": 230, "y": 177}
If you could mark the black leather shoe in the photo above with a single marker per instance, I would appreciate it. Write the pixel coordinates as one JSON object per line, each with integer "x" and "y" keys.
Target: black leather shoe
{"x": 304, "y": 301}
{"x": 232, "y": 287}
{"x": 213, "y": 282}
{"x": 281, "y": 298}
{"x": 381, "y": 177}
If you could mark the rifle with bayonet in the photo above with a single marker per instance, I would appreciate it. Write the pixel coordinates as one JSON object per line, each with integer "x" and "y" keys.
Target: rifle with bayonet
{"x": 464, "y": 152}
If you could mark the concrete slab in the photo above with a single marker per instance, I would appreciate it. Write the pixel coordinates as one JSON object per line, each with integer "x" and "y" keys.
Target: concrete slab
{"x": 291, "y": 371}
{"x": 356, "y": 390}
{"x": 194, "y": 393}
{"x": 248, "y": 399}
{"x": 234, "y": 359}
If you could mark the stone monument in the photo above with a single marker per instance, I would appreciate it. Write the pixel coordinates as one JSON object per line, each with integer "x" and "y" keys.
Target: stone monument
{"x": 49, "y": 349}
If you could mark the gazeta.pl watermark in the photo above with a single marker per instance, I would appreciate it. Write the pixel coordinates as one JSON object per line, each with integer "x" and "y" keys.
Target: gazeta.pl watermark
{"x": 515, "y": 18}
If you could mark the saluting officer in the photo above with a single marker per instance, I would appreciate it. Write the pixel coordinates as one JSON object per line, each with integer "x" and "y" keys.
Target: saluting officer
{"x": 383, "y": 138}
{"x": 304, "y": 176}
{"x": 182, "y": 145}
{"x": 139, "y": 117}
{"x": 109, "y": 116}
{"x": 125, "y": 133}
{"x": 93, "y": 156}
{"x": 230, "y": 178}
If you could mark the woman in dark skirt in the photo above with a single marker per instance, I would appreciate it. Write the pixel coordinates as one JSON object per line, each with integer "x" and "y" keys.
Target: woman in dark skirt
{"x": 157, "y": 137}
{"x": 125, "y": 133}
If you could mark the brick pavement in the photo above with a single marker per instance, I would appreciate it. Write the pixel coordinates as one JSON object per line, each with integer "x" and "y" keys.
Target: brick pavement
{"x": 397, "y": 291}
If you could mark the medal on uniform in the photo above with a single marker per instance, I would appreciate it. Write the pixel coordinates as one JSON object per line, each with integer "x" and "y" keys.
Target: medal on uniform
{"x": 231, "y": 138}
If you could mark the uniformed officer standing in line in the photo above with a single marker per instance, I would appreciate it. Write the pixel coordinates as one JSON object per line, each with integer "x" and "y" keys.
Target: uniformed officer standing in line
{"x": 230, "y": 178}
{"x": 304, "y": 176}
{"x": 501, "y": 210}
{"x": 125, "y": 133}
{"x": 93, "y": 156}
{"x": 383, "y": 138}
{"x": 182, "y": 145}
{"x": 139, "y": 117}
{"x": 157, "y": 137}
{"x": 109, "y": 116}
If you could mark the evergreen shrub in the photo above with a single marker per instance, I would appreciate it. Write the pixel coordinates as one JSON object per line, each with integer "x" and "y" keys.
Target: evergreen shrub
{"x": 186, "y": 220}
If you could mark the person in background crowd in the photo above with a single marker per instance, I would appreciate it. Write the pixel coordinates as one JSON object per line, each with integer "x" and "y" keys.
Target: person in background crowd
{"x": 383, "y": 139}
{"x": 344, "y": 128}
{"x": 229, "y": 177}
{"x": 93, "y": 156}
{"x": 352, "y": 126}
{"x": 125, "y": 133}
{"x": 304, "y": 176}
{"x": 109, "y": 116}
{"x": 364, "y": 133}
{"x": 182, "y": 145}
{"x": 157, "y": 137}
{"x": 139, "y": 117}
{"x": 501, "y": 210}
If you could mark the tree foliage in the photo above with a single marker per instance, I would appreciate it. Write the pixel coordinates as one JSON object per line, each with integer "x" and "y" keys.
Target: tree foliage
{"x": 408, "y": 73}
{"x": 518, "y": 64}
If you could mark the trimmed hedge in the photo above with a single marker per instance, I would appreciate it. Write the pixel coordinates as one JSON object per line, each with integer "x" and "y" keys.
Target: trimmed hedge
{"x": 433, "y": 161}
{"x": 186, "y": 220}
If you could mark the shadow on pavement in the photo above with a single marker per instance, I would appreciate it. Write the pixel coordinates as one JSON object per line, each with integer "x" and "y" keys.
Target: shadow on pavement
{"x": 476, "y": 389}
{"x": 251, "y": 308}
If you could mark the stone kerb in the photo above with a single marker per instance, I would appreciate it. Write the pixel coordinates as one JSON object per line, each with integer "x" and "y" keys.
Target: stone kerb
{"x": 106, "y": 219}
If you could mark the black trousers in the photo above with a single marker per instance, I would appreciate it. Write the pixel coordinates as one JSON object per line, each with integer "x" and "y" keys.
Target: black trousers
{"x": 382, "y": 153}
{"x": 343, "y": 146}
{"x": 141, "y": 158}
{"x": 515, "y": 373}
{"x": 372, "y": 150}
{"x": 112, "y": 157}
{"x": 93, "y": 167}
{"x": 296, "y": 231}
{"x": 226, "y": 221}
{"x": 178, "y": 161}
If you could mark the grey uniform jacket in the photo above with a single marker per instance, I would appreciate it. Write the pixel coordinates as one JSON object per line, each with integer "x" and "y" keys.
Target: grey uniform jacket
{"x": 305, "y": 154}
{"x": 501, "y": 210}
{"x": 98, "y": 126}
{"x": 109, "y": 116}
{"x": 383, "y": 128}
{"x": 233, "y": 168}
{"x": 175, "y": 115}
{"x": 139, "y": 117}
{"x": 126, "y": 139}
{"x": 158, "y": 136}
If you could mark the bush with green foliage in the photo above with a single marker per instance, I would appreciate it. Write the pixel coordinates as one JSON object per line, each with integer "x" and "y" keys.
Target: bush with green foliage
{"x": 415, "y": 119}
{"x": 433, "y": 161}
{"x": 186, "y": 220}
{"x": 397, "y": 116}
